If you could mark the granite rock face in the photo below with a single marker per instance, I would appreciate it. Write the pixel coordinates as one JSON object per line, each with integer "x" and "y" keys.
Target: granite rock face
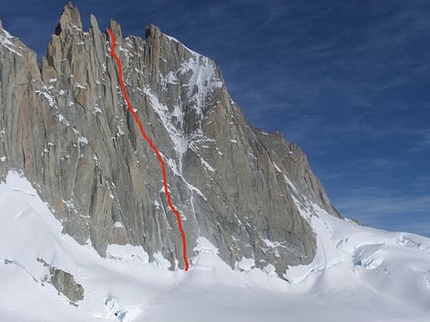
{"x": 65, "y": 125}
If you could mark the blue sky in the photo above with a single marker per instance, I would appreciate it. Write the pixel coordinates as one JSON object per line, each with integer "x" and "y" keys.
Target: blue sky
{"x": 349, "y": 81}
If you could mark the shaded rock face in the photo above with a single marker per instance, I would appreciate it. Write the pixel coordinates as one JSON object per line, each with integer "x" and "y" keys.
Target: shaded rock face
{"x": 65, "y": 284}
{"x": 65, "y": 125}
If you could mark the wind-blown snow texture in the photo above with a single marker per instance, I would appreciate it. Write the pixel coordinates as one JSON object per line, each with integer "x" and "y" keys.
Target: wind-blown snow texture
{"x": 93, "y": 230}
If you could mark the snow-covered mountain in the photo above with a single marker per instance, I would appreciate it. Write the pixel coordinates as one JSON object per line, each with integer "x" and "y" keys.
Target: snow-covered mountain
{"x": 87, "y": 233}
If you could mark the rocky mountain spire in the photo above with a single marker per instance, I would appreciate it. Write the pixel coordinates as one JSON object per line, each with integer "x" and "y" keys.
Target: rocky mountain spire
{"x": 68, "y": 130}
{"x": 116, "y": 29}
{"x": 70, "y": 18}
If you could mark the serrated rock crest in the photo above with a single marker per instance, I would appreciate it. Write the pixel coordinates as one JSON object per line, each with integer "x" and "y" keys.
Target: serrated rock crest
{"x": 65, "y": 125}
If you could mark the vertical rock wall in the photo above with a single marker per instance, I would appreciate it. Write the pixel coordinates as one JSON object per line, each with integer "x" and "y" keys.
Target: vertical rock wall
{"x": 66, "y": 127}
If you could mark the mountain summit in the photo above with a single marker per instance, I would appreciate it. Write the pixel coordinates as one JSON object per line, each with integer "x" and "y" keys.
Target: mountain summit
{"x": 69, "y": 131}
{"x": 245, "y": 196}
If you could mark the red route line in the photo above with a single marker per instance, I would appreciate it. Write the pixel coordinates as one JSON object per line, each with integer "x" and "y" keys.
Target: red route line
{"x": 153, "y": 147}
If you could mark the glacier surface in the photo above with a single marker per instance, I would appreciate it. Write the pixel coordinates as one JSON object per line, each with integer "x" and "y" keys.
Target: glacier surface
{"x": 359, "y": 274}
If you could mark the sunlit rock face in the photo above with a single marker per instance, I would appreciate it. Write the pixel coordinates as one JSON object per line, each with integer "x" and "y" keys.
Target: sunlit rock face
{"x": 65, "y": 125}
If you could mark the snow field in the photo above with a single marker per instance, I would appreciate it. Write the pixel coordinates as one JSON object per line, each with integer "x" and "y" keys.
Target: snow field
{"x": 359, "y": 274}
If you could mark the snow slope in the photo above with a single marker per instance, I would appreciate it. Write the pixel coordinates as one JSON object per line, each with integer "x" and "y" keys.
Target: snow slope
{"x": 359, "y": 274}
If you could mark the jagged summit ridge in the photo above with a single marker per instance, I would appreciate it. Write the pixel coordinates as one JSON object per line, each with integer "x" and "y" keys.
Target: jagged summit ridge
{"x": 67, "y": 129}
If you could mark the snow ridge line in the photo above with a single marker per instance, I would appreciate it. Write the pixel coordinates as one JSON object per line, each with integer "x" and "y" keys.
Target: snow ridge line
{"x": 153, "y": 147}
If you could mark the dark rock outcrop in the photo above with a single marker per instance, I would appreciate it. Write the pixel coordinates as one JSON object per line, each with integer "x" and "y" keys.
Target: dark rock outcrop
{"x": 65, "y": 284}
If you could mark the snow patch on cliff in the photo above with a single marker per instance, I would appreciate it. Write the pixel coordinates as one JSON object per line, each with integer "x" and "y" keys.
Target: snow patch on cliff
{"x": 5, "y": 41}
